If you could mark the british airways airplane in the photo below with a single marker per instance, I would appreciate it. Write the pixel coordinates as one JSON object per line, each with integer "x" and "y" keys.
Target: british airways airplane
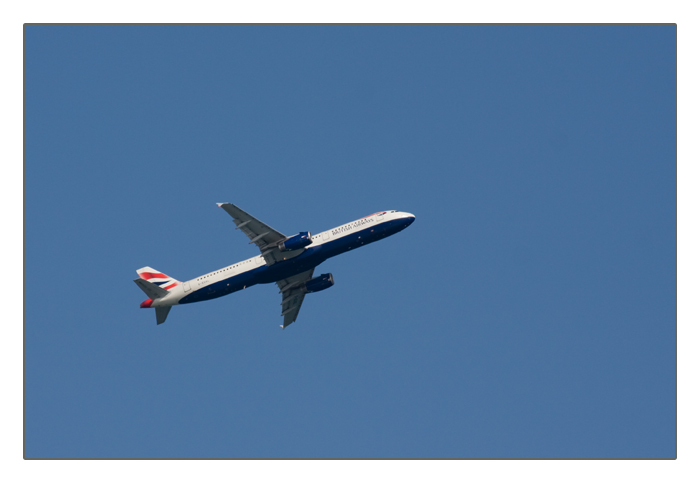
{"x": 287, "y": 261}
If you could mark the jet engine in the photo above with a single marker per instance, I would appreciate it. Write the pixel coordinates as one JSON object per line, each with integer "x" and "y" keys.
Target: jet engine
{"x": 322, "y": 282}
{"x": 296, "y": 242}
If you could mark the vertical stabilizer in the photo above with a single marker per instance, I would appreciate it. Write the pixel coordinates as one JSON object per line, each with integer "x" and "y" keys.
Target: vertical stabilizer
{"x": 156, "y": 285}
{"x": 157, "y": 278}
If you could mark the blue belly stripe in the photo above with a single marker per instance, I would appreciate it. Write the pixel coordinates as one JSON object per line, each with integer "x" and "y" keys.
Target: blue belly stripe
{"x": 310, "y": 258}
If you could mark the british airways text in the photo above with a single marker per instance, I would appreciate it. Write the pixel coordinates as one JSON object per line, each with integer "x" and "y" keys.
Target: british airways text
{"x": 352, "y": 225}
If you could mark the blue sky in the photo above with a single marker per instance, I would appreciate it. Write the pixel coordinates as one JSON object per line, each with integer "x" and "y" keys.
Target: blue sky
{"x": 528, "y": 312}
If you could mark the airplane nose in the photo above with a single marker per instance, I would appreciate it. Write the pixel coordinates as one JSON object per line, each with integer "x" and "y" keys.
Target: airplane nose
{"x": 411, "y": 218}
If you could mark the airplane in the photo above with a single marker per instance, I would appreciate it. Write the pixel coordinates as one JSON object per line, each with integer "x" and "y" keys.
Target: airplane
{"x": 287, "y": 261}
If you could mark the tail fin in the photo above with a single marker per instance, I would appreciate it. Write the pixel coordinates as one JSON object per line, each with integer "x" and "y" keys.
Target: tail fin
{"x": 155, "y": 284}
{"x": 157, "y": 278}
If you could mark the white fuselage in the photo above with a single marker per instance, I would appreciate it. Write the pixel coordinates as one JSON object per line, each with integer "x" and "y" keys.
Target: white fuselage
{"x": 254, "y": 270}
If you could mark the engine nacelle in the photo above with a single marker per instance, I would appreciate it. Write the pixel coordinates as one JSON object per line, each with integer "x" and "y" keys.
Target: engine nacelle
{"x": 297, "y": 241}
{"x": 322, "y": 282}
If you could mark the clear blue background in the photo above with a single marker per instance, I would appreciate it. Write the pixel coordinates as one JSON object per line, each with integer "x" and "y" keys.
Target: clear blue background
{"x": 528, "y": 312}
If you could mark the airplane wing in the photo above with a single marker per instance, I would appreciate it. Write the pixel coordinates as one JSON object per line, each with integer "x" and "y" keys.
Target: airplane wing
{"x": 292, "y": 290}
{"x": 264, "y": 236}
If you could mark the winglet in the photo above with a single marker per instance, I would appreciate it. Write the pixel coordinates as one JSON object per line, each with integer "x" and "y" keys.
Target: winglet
{"x": 219, "y": 204}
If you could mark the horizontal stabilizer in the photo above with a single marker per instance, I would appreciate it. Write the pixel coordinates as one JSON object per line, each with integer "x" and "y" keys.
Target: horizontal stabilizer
{"x": 162, "y": 313}
{"x": 152, "y": 290}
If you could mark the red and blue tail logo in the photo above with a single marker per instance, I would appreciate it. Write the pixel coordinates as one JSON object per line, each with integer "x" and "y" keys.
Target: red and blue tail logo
{"x": 158, "y": 278}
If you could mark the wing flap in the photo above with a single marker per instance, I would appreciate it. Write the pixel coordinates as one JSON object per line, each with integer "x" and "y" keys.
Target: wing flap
{"x": 293, "y": 293}
{"x": 291, "y": 313}
{"x": 257, "y": 231}
{"x": 264, "y": 236}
